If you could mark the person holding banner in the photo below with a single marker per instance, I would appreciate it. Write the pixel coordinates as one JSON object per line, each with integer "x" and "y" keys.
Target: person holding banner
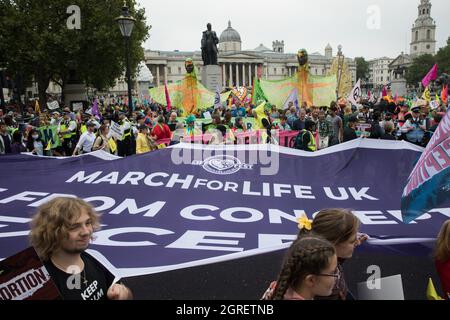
{"x": 305, "y": 139}
{"x": 68, "y": 131}
{"x": 442, "y": 257}
{"x": 60, "y": 233}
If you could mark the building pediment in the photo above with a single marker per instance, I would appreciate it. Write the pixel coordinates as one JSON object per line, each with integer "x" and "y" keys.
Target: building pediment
{"x": 401, "y": 60}
{"x": 239, "y": 55}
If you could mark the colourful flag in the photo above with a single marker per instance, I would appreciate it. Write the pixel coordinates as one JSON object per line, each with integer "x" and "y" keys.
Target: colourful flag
{"x": 432, "y": 75}
{"x": 37, "y": 108}
{"x": 258, "y": 94}
{"x": 384, "y": 92}
{"x": 293, "y": 97}
{"x": 426, "y": 95}
{"x": 427, "y": 186}
{"x": 166, "y": 91}
{"x": 444, "y": 95}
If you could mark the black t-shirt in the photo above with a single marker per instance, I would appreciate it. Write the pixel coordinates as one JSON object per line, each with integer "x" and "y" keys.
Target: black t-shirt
{"x": 349, "y": 134}
{"x": 94, "y": 281}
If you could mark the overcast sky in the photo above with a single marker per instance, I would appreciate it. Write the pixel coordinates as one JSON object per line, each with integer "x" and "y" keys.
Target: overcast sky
{"x": 310, "y": 24}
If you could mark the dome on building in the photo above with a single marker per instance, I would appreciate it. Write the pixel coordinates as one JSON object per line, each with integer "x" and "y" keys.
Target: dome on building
{"x": 262, "y": 48}
{"x": 230, "y": 35}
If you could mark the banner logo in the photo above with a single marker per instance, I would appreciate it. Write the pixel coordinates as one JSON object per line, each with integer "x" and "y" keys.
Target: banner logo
{"x": 223, "y": 165}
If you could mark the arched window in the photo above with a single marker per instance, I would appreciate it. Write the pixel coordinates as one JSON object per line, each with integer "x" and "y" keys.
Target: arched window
{"x": 428, "y": 11}
{"x": 423, "y": 12}
{"x": 417, "y": 35}
{"x": 428, "y": 34}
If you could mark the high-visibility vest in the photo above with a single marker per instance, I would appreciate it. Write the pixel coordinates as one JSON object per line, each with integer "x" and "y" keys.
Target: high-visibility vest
{"x": 126, "y": 133}
{"x": 64, "y": 127}
{"x": 312, "y": 141}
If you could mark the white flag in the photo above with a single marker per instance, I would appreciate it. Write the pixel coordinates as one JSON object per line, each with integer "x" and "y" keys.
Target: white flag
{"x": 293, "y": 97}
{"x": 356, "y": 93}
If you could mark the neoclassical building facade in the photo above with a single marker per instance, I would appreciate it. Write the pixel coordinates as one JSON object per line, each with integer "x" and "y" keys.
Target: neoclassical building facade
{"x": 240, "y": 67}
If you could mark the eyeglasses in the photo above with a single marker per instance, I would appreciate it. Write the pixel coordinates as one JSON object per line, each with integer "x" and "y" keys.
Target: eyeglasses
{"x": 336, "y": 275}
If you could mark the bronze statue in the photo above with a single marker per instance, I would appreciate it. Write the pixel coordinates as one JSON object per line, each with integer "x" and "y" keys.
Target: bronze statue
{"x": 209, "y": 46}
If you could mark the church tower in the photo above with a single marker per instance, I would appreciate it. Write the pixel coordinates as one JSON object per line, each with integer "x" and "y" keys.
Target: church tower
{"x": 423, "y": 31}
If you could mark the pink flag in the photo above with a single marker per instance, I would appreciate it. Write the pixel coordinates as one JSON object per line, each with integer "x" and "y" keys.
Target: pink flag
{"x": 384, "y": 92}
{"x": 169, "y": 105}
{"x": 432, "y": 75}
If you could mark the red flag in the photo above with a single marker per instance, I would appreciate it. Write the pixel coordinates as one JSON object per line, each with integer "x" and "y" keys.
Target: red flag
{"x": 169, "y": 105}
{"x": 444, "y": 94}
{"x": 432, "y": 75}
{"x": 369, "y": 94}
{"x": 384, "y": 93}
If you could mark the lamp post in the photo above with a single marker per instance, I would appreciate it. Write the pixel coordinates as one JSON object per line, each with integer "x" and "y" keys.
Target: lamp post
{"x": 126, "y": 24}
{"x": 340, "y": 65}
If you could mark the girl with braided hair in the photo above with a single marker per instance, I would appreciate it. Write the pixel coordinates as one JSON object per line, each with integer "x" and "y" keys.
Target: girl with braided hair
{"x": 309, "y": 269}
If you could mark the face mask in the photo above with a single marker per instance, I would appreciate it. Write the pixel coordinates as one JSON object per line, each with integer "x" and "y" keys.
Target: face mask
{"x": 35, "y": 137}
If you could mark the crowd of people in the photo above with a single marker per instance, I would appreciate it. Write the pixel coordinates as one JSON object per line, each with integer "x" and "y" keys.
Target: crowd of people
{"x": 151, "y": 126}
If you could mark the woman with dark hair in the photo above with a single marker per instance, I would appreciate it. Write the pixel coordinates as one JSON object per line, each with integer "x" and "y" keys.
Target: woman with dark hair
{"x": 34, "y": 143}
{"x": 17, "y": 144}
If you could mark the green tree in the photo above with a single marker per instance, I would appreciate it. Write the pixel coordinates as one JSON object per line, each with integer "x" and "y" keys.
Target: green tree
{"x": 443, "y": 58}
{"x": 35, "y": 41}
{"x": 419, "y": 68}
{"x": 362, "y": 68}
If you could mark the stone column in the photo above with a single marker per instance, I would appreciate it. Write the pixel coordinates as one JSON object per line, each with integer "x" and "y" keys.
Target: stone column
{"x": 237, "y": 75}
{"x": 244, "y": 83}
{"x": 230, "y": 79}
{"x": 250, "y": 78}
{"x": 157, "y": 75}
{"x": 224, "y": 83}
{"x": 165, "y": 74}
{"x": 267, "y": 71}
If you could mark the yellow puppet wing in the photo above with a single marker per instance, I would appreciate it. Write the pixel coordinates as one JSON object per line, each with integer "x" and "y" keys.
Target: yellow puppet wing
{"x": 260, "y": 114}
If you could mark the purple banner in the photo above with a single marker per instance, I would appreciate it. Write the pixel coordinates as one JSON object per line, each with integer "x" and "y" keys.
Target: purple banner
{"x": 192, "y": 204}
